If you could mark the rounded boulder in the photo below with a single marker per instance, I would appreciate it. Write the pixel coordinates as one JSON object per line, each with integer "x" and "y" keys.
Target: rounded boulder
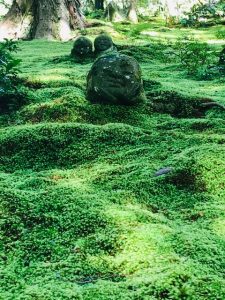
{"x": 82, "y": 47}
{"x": 102, "y": 43}
{"x": 115, "y": 79}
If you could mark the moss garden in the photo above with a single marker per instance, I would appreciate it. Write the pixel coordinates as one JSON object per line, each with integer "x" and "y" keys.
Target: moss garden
{"x": 111, "y": 202}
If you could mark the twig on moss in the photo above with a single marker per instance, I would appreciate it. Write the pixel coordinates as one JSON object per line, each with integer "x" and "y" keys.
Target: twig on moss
{"x": 212, "y": 104}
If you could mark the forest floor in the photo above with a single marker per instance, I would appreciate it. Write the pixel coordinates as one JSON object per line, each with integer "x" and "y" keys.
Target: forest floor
{"x": 82, "y": 214}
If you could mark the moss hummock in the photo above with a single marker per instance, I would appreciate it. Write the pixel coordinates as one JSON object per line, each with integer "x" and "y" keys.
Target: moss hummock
{"x": 82, "y": 214}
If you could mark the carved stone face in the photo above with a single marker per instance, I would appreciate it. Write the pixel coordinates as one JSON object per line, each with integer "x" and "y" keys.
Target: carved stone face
{"x": 103, "y": 42}
{"x": 82, "y": 47}
{"x": 115, "y": 79}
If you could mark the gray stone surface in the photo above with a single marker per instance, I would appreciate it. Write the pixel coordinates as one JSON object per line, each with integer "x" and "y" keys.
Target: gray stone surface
{"x": 115, "y": 79}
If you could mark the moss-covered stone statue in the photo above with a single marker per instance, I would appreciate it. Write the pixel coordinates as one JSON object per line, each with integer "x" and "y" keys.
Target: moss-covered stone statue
{"x": 115, "y": 79}
{"x": 103, "y": 43}
{"x": 82, "y": 48}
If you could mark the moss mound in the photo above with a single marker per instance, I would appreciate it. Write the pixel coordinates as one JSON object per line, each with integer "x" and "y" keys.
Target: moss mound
{"x": 63, "y": 145}
{"x": 82, "y": 213}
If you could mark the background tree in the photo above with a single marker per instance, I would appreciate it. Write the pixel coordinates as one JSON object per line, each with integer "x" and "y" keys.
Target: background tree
{"x": 121, "y": 10}
{"x": 56, "y": 18}
{"x": 99, "y": 4}
{"x": 42, "y": 19}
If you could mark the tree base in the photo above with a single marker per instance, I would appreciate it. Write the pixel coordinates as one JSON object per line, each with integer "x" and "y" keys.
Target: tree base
{"x": 28, "y": 19}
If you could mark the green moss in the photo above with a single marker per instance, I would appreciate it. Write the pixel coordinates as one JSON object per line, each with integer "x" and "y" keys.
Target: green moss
{"x": 82, "y": 214}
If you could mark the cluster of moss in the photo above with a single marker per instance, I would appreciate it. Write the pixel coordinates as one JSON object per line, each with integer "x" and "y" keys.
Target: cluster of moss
{"x": 83, "y": 214}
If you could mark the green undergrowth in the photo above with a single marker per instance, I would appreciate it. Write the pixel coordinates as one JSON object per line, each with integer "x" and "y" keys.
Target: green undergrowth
{"x": 82, "y": 213}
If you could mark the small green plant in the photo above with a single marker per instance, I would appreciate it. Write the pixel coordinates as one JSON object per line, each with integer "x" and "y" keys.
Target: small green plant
{"x": 197, "y": 58}
{"x": 8, "y": 65}
{"x": 97, "y": 14}
{"x": 204, "y": 14}
{"x": 220, "y": 34}
{"x": 10, "y": 96}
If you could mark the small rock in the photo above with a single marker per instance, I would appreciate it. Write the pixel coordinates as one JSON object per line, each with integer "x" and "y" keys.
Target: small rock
{"x": 102, "y": 43}
{"x": 163, "y": 171}
{"x": 82, "y": 47}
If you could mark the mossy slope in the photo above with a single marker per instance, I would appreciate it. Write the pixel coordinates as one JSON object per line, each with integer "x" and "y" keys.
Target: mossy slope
{"x": 82, "y": 214}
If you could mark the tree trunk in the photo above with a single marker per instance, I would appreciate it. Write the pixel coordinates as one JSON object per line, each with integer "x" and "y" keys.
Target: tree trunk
{"x": 99, "y": 4}
{"x": 132, "y": 13}
{"x": 121, "y": 10}
{"x": 16, "y": 23}
{"x": 47, "y": 19}
{"x": 171, "y": 12}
